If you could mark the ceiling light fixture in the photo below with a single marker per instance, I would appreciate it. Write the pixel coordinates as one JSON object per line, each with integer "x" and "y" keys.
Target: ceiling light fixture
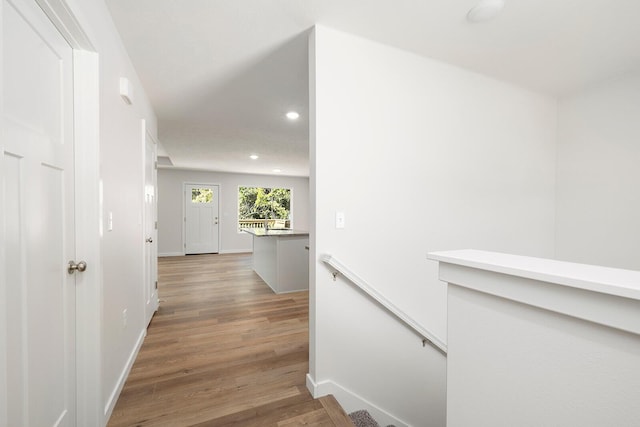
{"x": 253, "y": 157}
{"x": 293, "y": 115}
{"x": 277, "y": 170}
{"x": 485, "y": 10}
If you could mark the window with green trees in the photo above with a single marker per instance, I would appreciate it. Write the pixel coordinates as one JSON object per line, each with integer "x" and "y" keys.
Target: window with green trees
{"x": 201, "y": 195}
{"x": 257, "y": 204}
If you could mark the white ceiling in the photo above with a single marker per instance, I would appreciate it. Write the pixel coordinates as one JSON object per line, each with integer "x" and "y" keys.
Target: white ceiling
{"x": 221, "y": 74}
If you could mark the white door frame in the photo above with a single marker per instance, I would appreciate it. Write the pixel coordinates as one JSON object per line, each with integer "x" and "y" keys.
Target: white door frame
{"x": 88, "y": 239}
{"x": 184, "y": 212}
{"x": 88, "y": 203}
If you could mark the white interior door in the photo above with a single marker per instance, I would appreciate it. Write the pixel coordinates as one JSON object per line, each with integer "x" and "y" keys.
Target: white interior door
{"x": 151, "y": 231}
{"x": 37, "y": 172}
{"x": 201, "y": 218}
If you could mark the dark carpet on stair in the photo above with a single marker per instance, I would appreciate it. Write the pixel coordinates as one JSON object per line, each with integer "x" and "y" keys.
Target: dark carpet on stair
{"x": 364, "y": 419}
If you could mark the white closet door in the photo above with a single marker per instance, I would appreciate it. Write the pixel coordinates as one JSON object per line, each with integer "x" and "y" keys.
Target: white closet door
{"x": 37, "y": 172}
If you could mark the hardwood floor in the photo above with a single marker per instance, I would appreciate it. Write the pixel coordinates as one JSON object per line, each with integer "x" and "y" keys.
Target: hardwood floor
{"x": 223, "y": 350}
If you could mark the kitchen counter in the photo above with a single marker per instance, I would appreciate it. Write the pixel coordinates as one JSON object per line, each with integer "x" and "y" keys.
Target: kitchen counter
{"x": 280, "y": 258}
{"x": 261, "y": 232}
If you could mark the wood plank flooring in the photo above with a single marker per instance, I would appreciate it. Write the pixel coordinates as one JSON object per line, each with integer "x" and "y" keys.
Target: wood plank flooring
{"x": 223, "y": 350}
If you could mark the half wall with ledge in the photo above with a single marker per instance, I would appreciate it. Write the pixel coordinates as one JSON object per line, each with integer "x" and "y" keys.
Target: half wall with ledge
{"x": 535, "y": 341}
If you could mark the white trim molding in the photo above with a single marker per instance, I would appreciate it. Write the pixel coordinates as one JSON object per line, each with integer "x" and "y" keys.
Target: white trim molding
{"x": 65, "y": 21}
{"x": 602, "y": 295}
{"x": 236, "y": 251}
{"x": 115, "y": 393}
{"x": 168, "y": 254}
{"x": 352, "y": 402}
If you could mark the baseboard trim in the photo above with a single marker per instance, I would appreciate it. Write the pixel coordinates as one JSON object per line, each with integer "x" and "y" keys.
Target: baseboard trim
{"x": 351, "y": 402}
{"x": 225, "y": 251}
{"x": 165, "y": 254}
{"x": 113, "y": 398}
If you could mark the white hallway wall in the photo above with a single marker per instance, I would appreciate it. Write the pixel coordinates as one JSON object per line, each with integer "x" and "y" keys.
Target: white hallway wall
{"x": 421, "y": 156}
{"x": 121, "y": 175}
{"x": 598, "y": 199}
{"x": 170, "y": 206}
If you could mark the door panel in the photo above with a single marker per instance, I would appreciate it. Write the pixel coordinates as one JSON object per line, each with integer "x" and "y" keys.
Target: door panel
{"x": 38, "y": 174}
{"x": 201, "y": 218}
{"x": 151, "y": 232}
{"x": 49, "y": 292}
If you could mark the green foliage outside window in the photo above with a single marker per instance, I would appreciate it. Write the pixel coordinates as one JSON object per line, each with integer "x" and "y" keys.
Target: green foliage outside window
{"x": 261, "y": 203}
{"x": 201, "y": 195}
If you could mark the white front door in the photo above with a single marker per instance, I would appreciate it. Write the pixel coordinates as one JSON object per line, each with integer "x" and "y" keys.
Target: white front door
{"x": 37, "y": 172}
{"x": 201, "y": 218}
{"x": 151, "y": 232}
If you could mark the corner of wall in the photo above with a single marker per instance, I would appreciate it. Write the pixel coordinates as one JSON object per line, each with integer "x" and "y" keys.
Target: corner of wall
{"x": 312, "y": 204}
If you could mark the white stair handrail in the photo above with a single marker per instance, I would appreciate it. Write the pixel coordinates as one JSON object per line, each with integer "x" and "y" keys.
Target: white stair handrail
{"x": 427, "y": 336}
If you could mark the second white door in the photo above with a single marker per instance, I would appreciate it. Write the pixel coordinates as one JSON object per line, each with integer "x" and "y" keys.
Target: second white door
{"x": 201, "y": 219}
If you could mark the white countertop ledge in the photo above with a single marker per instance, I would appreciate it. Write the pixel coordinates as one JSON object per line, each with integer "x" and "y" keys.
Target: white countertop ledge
{"x": 275, "y": 232}
{"x": 605, "y": 280}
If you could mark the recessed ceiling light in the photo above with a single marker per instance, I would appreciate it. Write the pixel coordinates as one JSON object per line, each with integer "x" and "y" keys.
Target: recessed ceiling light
{"x": 253, "y": 156}
{"x": 485, "y": 10}
{"x": 293, "y": 115}
{"x": 277, "y": 170}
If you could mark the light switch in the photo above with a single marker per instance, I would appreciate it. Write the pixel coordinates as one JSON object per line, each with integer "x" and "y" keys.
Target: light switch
{"x": 339, "y": 219}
